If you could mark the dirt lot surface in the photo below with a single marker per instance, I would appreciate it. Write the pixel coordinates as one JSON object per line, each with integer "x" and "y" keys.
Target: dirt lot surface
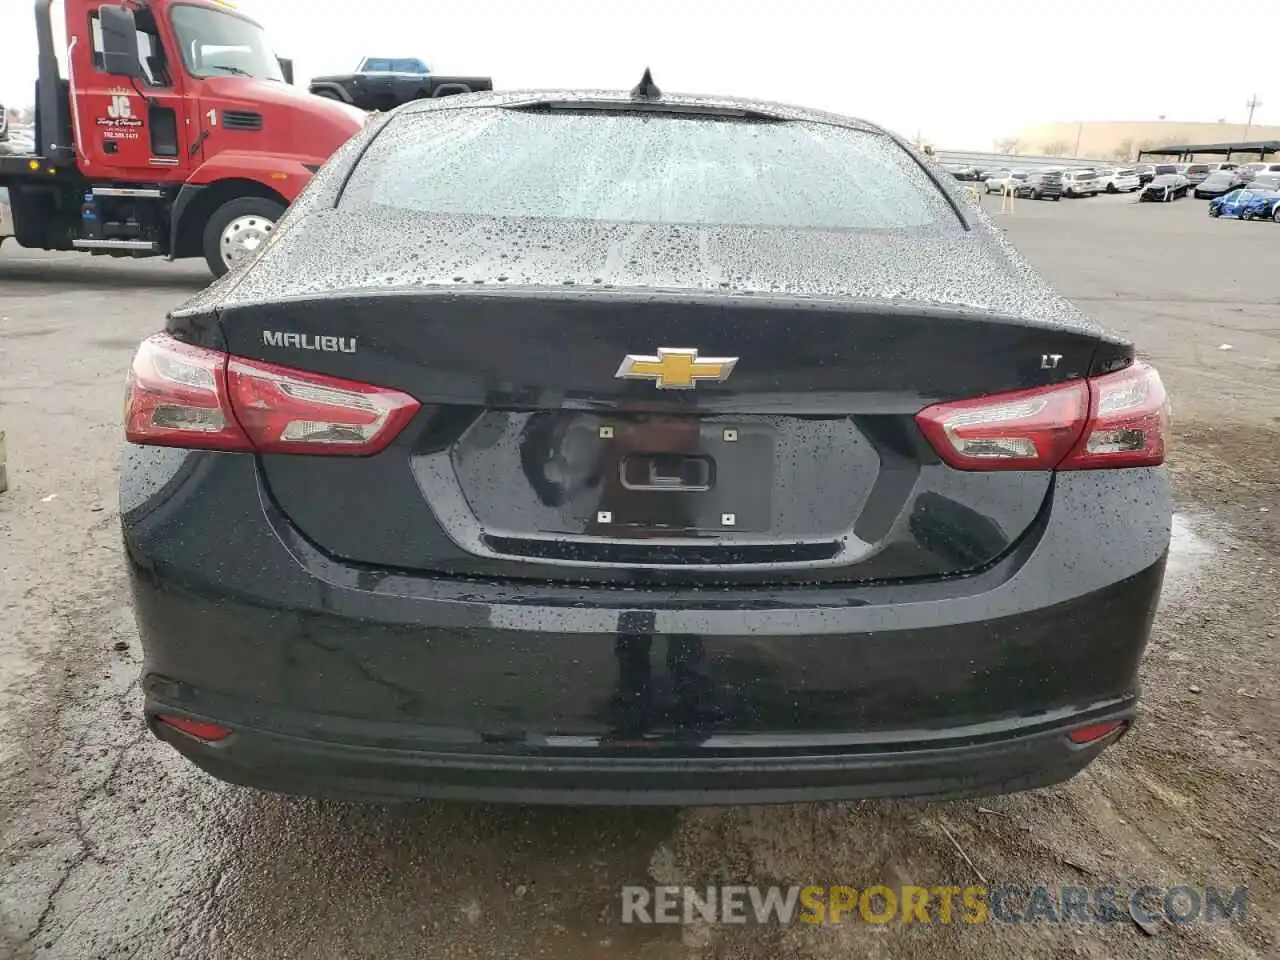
{"x": 114, "y": 847}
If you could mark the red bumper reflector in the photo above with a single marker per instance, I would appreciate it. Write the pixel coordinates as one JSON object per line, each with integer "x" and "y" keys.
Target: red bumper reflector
{"x": 196, "y": 728}
{"x": 1095, "y": 731}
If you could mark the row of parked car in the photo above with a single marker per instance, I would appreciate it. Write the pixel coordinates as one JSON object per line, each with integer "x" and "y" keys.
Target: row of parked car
{"x": 1229, "y": 176}
{"x": 1054, "y": 183}
{"x": 1215, "y": 182}
{"x": 1152, "y": 181}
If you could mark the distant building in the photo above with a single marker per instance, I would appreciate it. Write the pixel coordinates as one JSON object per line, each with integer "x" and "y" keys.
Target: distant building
{"x": 1122, "y": 139}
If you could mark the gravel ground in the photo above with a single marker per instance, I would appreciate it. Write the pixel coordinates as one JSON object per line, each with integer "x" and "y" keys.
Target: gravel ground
{"x": 114, "y": 847}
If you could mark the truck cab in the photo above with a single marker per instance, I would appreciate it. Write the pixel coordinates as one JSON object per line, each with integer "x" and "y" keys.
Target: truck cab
{"x": 175, "y": 132}
{"x": 384, "y": 83}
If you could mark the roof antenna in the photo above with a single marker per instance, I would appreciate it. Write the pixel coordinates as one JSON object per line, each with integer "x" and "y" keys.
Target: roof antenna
{"x": 646, "y": 89}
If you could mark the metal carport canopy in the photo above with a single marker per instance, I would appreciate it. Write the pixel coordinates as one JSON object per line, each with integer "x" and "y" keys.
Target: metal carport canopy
{"x": 1260, "y": 147}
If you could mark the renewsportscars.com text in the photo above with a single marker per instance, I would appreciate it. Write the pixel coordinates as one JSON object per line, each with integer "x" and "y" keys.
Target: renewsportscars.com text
{"x": 937, "y": 904}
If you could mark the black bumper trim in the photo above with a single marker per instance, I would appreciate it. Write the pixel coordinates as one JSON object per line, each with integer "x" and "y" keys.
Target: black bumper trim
{"x": 285, "y": 764}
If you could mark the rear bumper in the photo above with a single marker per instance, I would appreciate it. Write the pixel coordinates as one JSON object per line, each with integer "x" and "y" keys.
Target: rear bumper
{"x": 338, "y": 679}
{"x": 995, "y": 764}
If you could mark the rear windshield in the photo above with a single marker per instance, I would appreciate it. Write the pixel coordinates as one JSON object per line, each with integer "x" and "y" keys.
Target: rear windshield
{"x": 1198, "y": 168}
{"x": 644, "y": 168}
{"x": 1167, "y": 168}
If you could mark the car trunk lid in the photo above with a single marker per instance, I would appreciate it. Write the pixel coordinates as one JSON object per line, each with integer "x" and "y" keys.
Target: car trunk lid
{"x": 653, "y": 435}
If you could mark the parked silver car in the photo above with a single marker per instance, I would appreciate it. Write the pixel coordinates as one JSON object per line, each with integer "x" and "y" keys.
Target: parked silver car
{"x": 1080, "y": 183}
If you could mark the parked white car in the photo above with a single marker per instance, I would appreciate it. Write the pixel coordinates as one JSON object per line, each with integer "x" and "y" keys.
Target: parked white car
{"x": 1080, "y": 183}
{"x": 998, "y": 181}
{"x": 1119, "y": 180}
{"x": 1251, "y": 170}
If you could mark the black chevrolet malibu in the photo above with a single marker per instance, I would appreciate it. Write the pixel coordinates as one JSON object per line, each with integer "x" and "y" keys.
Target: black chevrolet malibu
{"x": 639, "y": 449}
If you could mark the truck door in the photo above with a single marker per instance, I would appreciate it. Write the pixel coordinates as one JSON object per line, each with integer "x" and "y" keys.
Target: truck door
{"x": 134, "y": 130}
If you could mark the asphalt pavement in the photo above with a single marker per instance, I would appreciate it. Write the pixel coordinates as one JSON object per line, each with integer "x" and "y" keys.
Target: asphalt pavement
{"x": 115, "y": 847}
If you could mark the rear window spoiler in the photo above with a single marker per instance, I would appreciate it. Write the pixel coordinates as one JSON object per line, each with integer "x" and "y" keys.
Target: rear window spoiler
{"x": 645, "y": 106}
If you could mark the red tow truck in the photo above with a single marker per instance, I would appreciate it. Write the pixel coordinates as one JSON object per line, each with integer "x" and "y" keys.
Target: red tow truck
{"x": 176, "y": 132}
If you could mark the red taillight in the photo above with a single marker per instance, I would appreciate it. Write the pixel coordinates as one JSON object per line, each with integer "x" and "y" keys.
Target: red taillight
{"x": 1095, "y": 731}
{"x": 177, "y": 396}
{"x": 1116, "y": 420}
{"x": 288, "y": 411}
{"x": 186, "y": 396}
{"x": 1020, "y": 430}
{"x": 196, "y": 728}
{"x": 1128, "y": 421}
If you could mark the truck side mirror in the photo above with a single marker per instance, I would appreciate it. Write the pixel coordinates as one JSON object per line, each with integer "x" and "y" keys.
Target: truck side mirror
{"x": 286, "y": 69}
{"x": 119, "y": 42}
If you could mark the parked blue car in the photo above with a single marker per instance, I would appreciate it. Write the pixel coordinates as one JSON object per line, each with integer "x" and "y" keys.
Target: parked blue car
{"x": 1247, "y": 204}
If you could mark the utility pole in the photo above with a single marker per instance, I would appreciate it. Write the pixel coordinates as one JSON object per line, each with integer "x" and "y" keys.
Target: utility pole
{"x": 1253, "y": 104}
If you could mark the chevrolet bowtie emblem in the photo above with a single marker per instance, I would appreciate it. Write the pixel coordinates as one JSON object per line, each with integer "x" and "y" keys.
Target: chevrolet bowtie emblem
{"x": 675, "y": 368}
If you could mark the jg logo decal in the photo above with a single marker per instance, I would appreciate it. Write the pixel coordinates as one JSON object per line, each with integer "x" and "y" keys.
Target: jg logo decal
{"x": 120, "y": 112}
{"x": 120, "y": 108}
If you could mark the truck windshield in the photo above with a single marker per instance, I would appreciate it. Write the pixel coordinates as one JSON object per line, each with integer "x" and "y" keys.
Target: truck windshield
{"x": 217, "y": 43}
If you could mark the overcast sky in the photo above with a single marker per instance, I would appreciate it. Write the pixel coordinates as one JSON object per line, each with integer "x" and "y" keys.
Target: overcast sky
{"x": 960, "y": 72}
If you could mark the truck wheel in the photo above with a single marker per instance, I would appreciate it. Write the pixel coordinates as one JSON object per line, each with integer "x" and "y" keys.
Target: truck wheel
{"x": 237, "y": 229}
